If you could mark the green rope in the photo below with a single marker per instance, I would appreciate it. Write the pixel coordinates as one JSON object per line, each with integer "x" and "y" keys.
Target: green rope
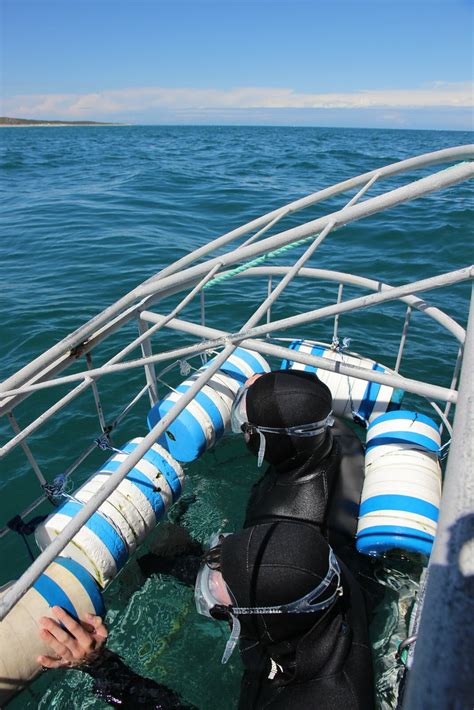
{"x": 257, "y": 261}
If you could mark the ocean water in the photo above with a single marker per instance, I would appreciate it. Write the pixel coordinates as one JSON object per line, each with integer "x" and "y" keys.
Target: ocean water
{"x": 88, "y": 213}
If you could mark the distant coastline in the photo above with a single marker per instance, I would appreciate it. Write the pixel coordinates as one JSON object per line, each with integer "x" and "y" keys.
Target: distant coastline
{"x": 16, "y": 122}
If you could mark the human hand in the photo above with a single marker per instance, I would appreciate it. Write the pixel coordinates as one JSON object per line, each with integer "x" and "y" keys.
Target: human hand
{"x": 73, "y": 645}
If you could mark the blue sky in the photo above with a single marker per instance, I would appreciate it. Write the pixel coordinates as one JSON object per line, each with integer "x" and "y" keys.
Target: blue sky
{"x": 393, "y": 63}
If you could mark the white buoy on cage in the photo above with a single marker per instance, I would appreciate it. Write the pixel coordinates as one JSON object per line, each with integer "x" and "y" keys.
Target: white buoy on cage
{"x": 113, "y": 532}
{"x": 350, "y": 396}
{"x": 64, "y": 583}
{"x": 402, "y": 486}
{"x": 204, "y": 420}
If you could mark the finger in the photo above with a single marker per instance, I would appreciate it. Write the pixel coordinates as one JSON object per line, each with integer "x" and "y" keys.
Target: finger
{"x": 100, "y": 629}
{"x": 252, "y": 379}
{"x": 56, "y": 646}
{"x": 84, "y": 637}
{"x": 49, "y": 662}
{"x": 57, "y": 631}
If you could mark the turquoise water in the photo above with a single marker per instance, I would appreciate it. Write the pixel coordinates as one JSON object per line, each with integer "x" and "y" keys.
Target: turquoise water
{"x": 91, "y": 212}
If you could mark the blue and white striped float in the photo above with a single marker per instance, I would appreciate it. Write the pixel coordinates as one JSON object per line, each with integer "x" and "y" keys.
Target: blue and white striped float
{"x": 350, "y": 395}
{"x": 402, "y": 486}
{"x": 112, "y": 534}
{"x": 207, "y": 416}
{"x": 64, "y": 583}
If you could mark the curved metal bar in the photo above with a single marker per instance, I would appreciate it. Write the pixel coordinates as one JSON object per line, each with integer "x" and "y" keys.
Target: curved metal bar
{"x": 265, "y": 347}
{"x": 464, "y": 152}
{"x": 384, "y": 293}
{"x": 436, "y": 314}
{"x": 169, "y": 279}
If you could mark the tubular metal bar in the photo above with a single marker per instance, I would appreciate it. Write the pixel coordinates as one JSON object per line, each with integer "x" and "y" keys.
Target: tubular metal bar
{"x": 422, "y": 388}
{"x": 128, "y": 407}
{"x": 390, "y": 294}
{"x": 288, "y": 277}
{"x": 384, "y": 294}
{"x": 414, "y": 386}
{"x": 110, "y": 328}
{"x": 47, "y": 414}
{"x": 203, "y": 322}
{"x": 95, "y": 392}
{"x": 361, "y": 192}
{"x": 163, "y": 284}
{"x": 16, "y": 428}
{"x": 454, "y": 381}
{"x": 361, "y": 281}
{"x": 269, "y": 310}
{"x": 442, "y": 669}
{"x": 403, "y": 339}
{"x": 87, "y": 380}
{"x": 340, "y": 290}
{"x": 150, "y": 374}
{"x": 19, "y": 588}
{"x": 444, "y": 420}
{"x": 272, "y": 223}
{"x": 61, "y": 363}
{"x": 124, "y": 366}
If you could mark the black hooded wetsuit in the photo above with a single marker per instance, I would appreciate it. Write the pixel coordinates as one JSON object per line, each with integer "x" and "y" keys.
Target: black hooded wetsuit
{"x": 320, "y": 660}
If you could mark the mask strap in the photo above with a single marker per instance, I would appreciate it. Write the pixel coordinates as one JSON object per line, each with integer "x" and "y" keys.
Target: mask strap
{"x": 261, "y": 448}
{"x": 232, "y": 641}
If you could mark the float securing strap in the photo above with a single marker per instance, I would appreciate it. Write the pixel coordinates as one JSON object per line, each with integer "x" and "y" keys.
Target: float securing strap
{"x": 339, "y": 347}
{"x": 23, "y": 528}
{"x": 17, "y": 524}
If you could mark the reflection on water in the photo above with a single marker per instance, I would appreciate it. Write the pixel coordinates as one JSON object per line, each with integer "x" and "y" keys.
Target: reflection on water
{"x": 400, "y": 575}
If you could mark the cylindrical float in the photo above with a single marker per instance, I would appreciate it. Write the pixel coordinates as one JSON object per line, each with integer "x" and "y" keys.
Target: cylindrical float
{"x": 350, "y": 395}
{"x": 204, "y": 420}
{"x": 113, "y": 532}
{"x": 64, "y": 583}
{"x": 402, "y": 486}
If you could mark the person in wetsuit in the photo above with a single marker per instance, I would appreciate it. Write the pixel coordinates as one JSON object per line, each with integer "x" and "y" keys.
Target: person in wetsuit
{"x": 313, "y": 652}
{"x": 316, "y": 657}
{"x": 316, "y": 469}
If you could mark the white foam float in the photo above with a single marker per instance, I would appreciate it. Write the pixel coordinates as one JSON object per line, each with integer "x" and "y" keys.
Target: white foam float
{"x": 350, "y": 395}
{"x": 112, "y": 533}
{"x": 64, "y": 583}
{"x": 402, "y": 487}
{"x": 205, "y": 419}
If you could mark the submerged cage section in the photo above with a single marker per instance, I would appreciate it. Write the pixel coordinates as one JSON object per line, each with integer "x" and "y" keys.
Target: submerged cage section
{"x": 190, "y": 381}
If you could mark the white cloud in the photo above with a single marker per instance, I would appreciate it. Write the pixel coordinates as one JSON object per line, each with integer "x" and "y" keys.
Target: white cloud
{"x": 149, "y": 99}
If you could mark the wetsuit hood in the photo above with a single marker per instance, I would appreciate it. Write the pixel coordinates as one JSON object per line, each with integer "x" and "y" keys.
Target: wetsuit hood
{"x": 272, "y": 564}
{"x": 287, "y": 398}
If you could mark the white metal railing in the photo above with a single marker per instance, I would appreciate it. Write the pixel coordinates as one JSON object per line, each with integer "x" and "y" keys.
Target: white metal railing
{"x": 168, "y": 281}
{"x": 176, "y": 279}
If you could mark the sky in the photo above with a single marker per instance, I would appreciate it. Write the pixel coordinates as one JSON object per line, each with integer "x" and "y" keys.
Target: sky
{"x": 372, "y": 63}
